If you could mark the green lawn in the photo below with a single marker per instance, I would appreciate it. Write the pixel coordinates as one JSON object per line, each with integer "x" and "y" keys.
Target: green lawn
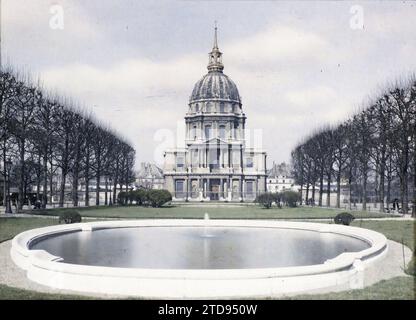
{"x": 399, "y": 231}
{"x": 220, "y": 212}
{"x": 399, "y": 288}
{"x": 9, "y": 293}
{"x": 9, "y": 227}
{"x": 396, "y": 288}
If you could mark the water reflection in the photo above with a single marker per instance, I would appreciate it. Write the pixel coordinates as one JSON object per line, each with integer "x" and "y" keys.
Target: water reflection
{"x": 199, "y": 247}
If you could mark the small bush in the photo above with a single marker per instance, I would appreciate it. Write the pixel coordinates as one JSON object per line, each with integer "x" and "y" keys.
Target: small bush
{"x": 158, "y": 198}
{"x": 265, "y": 199}
{"x": 69, "y": 216}
{"x": 344, "y": 218}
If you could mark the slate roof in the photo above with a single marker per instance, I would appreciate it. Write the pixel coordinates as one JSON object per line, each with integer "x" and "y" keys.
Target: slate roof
{"x": 280, "y": 170}
{"x": 148, "y": 170}
{"x": 215, "y": 85}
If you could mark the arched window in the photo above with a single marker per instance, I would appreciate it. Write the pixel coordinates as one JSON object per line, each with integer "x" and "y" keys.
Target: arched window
{"x": 208, "y": 132}
{"x": 197, "y": 108}
{"x": 222, "y": 132}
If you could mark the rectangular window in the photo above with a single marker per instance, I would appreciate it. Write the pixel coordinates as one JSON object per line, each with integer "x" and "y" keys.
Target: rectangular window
{"x": 249, "y": 185}
{"x": 180, "y": 189}
{"x": 180, "y": 162}
{"x": 250, "y": 162}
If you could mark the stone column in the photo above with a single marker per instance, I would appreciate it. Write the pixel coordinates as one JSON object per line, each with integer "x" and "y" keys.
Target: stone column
{"x": 207, "y": 188}
{"x": 186, "y": 188}
{"x": 241, "y": 188}
{"x": 220, "y": 191}
{"x": 200, "y": 189}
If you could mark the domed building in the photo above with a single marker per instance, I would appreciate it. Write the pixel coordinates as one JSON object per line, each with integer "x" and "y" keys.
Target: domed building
{"x": 215, "y": 164}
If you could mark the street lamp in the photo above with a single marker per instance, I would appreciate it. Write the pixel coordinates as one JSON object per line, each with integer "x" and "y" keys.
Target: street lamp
{"x": 8, "y": 168}
{"x": 111, "y": 193}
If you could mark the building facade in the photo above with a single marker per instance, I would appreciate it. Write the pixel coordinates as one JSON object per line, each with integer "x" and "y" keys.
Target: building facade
{"x": 215, "y": 164}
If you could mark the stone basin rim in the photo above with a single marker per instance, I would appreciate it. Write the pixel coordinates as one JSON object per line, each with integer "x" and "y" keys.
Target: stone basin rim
{"x": 27, "y": 259}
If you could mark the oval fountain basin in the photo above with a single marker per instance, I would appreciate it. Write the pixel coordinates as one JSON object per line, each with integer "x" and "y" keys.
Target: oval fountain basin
{"x": 198, "y": 247}
{"x": 198, "y": 258}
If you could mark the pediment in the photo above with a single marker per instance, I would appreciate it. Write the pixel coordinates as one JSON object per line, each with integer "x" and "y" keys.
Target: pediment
{"x": 216, "y": 141}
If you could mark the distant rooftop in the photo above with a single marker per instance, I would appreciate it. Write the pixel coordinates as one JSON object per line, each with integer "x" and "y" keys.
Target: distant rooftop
{"x": 149, "y": 170}
{"x": 280, "y": 170}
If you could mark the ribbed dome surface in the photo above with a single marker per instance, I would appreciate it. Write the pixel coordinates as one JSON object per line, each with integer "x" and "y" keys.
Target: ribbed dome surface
{"x": 215, "y": 85}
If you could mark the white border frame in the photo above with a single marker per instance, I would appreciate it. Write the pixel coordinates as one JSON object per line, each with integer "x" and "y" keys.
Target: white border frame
{"x": 344, "y": 272}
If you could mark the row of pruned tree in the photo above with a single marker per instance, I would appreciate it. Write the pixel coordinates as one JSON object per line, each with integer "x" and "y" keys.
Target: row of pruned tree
{"x": 50, "y": 141}
{"x": 375, "y": 148}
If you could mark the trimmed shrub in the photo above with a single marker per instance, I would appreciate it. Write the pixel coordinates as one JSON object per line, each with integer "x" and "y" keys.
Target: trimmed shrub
{"x": 344, "y": 218}
{"x": 139, "y": 196}
{"x": 122, "y": 198}
{"x": 290, "y": 198}
{"x": 69, "y": 216}
{"x": 277, "y": 197}
{"x": 265, "y": 199}
{"x": 158, "y": 198}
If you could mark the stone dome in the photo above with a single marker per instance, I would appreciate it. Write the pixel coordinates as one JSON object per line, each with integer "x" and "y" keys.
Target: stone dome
{"x": 215, "y": 85}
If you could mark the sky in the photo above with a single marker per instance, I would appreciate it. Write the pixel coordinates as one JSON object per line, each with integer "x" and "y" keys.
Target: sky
{"x": 298, "y": 65}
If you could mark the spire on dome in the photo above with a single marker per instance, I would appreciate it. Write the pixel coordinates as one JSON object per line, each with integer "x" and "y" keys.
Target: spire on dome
{"x": 215, "y": 37}
{"x": 215, "y": 59}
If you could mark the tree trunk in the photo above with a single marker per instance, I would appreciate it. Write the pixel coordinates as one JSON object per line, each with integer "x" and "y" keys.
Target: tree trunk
{"x": 62, "y": 190}
{"x": 328, "y": 192}
{"x": 414, "y": 184}
{"x": 5, "y": 195}
{"x": 64, "y": 171}
{"x": 301, "y": 193}
{"x": 382, "y": 176}
{"x": 38, "y": 175}
{"x": 22, "y": 175}
{"x": 313, "y": 194}
{"x": 382, "y": 190}
{"x": 45, "y": 180}
{"x": 98, "y": 181}
{"x": 404, "y": 190}
{"x": 51, "y": 180}
{"x": 338, "y": 205}
{"x": 75, "y": 187}
{"x": 75, "y": 182}
{"x": 106, "y": 191}
{"x": 365, "y": 191}
{"x": 87, "y": 177}
{"x": 321, "y": 186}
{"x": 349, "y": 194}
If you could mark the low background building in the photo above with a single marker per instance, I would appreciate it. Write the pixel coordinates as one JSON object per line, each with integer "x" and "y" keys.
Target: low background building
{"x": 279, "y": 178}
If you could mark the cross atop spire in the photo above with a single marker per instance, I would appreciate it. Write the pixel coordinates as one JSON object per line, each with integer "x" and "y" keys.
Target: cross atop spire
{"x": 215, "y": 59}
